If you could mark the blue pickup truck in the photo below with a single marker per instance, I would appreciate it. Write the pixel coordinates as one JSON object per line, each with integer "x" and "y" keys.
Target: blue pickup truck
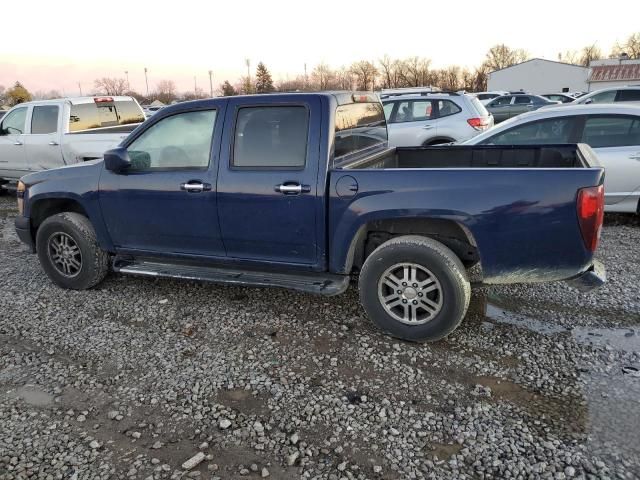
{"x": 302, "y": 191}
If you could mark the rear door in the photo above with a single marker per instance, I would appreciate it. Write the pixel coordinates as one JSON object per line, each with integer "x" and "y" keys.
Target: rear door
{"x": 616, "y": 141}
{"x": 521, "y": 104}
{"x": 42, "y": 143}
{"x": 13, "y": 162}
{"x": 267, "y": 180}
{"x": 413, "y": 123}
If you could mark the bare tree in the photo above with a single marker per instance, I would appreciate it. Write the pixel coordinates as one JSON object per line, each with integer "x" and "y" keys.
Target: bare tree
{"x": 451, "y": 78}
{"x": 166, "y": 91}
{"x": 569, "y": 56}
{"x": 501, "y": 56}
{"x": 111, "y": 86}
{"x": 631, "y": 46}
{"x": 322, "y": 77}
{"x": 344, "y": 79}
{"x": 46, "y": 95}
{"x": 298, "y": 84}
{"x": 365, "y": 73}
{"x": 588, "y": 53}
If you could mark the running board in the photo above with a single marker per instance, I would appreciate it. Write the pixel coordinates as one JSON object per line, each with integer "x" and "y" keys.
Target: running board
{"x": 319, "y": 283}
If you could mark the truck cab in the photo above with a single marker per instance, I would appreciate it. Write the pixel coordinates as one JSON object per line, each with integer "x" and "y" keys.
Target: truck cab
{"x": 46, "y": 134}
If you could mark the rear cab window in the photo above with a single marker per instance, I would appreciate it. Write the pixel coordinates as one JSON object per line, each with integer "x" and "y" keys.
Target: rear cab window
{"x": 359, "y": 126}
{"x": 103, "y": 113}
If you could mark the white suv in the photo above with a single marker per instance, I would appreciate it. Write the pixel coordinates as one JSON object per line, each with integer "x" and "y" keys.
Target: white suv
{"x": 434, "y": 118}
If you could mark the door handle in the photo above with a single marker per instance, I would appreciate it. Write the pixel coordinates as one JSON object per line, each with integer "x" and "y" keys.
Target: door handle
{"x": 427, "y": 127}
{"x": 635, "y": 156}
{"x": 53, "y": 143}
{"x": 292, "y": 188}
{"x": 194, "y": 187}
{"x": 17, "y": 142}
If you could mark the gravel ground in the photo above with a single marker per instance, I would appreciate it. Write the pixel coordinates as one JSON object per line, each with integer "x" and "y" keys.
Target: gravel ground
{"x": 138, "y": 376}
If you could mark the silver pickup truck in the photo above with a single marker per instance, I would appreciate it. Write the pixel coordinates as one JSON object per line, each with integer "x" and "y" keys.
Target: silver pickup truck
{"x": 47, "y": 134}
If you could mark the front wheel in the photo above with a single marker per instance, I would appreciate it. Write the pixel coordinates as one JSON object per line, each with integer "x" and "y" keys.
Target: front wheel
{"x": 69, "y": 252}
{"x": 414, "y": 288}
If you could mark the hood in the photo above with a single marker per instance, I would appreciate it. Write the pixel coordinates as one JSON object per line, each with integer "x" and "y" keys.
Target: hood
{"x": 77, "y": 170}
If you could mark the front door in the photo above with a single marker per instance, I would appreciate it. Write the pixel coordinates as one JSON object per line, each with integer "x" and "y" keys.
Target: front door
{"x": 42, "y": 143}
{"x": 616, "y": 141}
{"x": 267, "y": 180}
{"x": 13, "y": 163}
{"x": 165, "y": 204}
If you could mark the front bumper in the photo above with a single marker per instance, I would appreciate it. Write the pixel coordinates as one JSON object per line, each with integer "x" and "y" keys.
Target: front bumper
{"x": 590, "y": 279}
{"x": 23, "y": 229}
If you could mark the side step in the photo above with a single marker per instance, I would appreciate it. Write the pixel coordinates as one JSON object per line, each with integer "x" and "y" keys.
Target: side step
{"x": 319, "y": 283}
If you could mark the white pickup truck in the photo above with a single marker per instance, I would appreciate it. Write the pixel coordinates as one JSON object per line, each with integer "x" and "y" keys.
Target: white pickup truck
{"x": 47, "y": 134}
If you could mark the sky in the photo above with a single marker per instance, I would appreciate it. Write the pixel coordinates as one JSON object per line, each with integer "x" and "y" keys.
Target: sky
{"x": 59, "y": 45}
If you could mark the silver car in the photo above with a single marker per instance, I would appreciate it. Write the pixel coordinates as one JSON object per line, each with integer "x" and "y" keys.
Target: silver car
{"x": 434, "y": 118}
{"x": 629, "y": 93}
{"x": 613, "y": 131}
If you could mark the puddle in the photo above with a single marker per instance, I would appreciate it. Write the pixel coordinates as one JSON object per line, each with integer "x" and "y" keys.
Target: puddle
{"x": 501, "y": 315}
{"x": 624, "y": 339}
{"x": 32, "y": 395}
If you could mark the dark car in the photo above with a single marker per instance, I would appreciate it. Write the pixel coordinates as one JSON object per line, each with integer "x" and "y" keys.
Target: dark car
{"x": 508, "y": 106}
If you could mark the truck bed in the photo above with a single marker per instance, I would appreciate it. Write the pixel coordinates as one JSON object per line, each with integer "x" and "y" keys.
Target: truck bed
{"x": 480, "y": 156}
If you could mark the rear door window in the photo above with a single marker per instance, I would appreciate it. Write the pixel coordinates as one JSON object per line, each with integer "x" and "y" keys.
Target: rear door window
{"x": 414, "y": 111}
{"x": 44, "y": 119}
{"x": 551, "y": 130}
{"x": 611, "y": 131}
{"x": 628, "y": 96}
{"x": 13, "y": 123}
{"x": 522, "y": 100}
{"x": 271, "y": 137}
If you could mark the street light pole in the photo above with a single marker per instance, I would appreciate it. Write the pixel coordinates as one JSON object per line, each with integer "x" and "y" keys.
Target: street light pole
{"x": 195, "y": 86}
{"x": 126, "y": 72}
{"x": 146, "y": 80}
{"x": 211, "y": 82}
{"x": 80, "y": 88}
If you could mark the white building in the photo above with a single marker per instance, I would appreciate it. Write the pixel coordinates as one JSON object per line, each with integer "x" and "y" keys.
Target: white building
{"x": 613, "y": 72}
{"x": 540, "y": 76}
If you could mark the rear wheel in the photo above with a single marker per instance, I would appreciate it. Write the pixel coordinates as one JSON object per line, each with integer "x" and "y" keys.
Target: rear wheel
{"x": 414, "y": 288}
{"x": 69, "y": 252}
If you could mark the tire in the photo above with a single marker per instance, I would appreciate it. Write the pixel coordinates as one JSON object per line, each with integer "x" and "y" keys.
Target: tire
{"x": 436, "y": 296}
{"x": 73, "y": 235}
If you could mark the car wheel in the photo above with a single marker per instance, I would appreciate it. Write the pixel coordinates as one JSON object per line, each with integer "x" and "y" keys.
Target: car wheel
{"x": 414, "y": 288}
{"x": 69, "y": 252}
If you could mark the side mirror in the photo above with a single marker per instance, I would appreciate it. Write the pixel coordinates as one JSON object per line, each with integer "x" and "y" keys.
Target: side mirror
{"x": 588, "y": 101}
{"x": 117, "y": 159}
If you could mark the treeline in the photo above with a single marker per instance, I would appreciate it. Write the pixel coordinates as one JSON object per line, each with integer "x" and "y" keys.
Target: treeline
{"x": 385, "y": 72}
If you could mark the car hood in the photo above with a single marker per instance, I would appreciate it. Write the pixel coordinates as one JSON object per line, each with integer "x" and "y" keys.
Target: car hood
{"x": 84, "y": 169}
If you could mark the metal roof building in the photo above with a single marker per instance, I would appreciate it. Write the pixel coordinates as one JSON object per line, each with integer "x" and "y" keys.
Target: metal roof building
{"x": 540, "y": 76}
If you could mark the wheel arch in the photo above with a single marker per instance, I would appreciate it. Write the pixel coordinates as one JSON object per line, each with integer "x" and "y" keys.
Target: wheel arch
{"x": 449, "y": 232}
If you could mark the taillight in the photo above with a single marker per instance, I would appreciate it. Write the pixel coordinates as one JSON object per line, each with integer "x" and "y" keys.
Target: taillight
{"x": 103, "y": 99}
{"x": 591, "y": 214}
{"x": 479, "y": 123}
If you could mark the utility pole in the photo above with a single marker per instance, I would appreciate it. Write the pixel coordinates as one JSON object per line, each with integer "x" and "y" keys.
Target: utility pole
{"x": 80, "y": 88}
{"x": 211, "y": 82}
{"x": 305, "y": 75}
{"x": 195, "y": 86}
{"x": 146, "y": 80}
{"x": 126, "y": 72}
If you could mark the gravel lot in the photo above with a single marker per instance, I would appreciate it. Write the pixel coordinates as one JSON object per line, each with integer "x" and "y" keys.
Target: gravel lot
{"x": 136, "y": 377}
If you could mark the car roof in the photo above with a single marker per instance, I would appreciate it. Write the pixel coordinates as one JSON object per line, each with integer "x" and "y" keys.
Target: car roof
{"x": 417, "y": 96}
{"x": 78, "y": 100}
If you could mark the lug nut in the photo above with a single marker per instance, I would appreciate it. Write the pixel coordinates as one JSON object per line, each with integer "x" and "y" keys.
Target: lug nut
{"x": 415, "y": 285}
{"x": 404, "y": 284}
{"x": 420, "y": 294}
{"x": 415, "y": 302}
{"x": 404, "y": 301}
